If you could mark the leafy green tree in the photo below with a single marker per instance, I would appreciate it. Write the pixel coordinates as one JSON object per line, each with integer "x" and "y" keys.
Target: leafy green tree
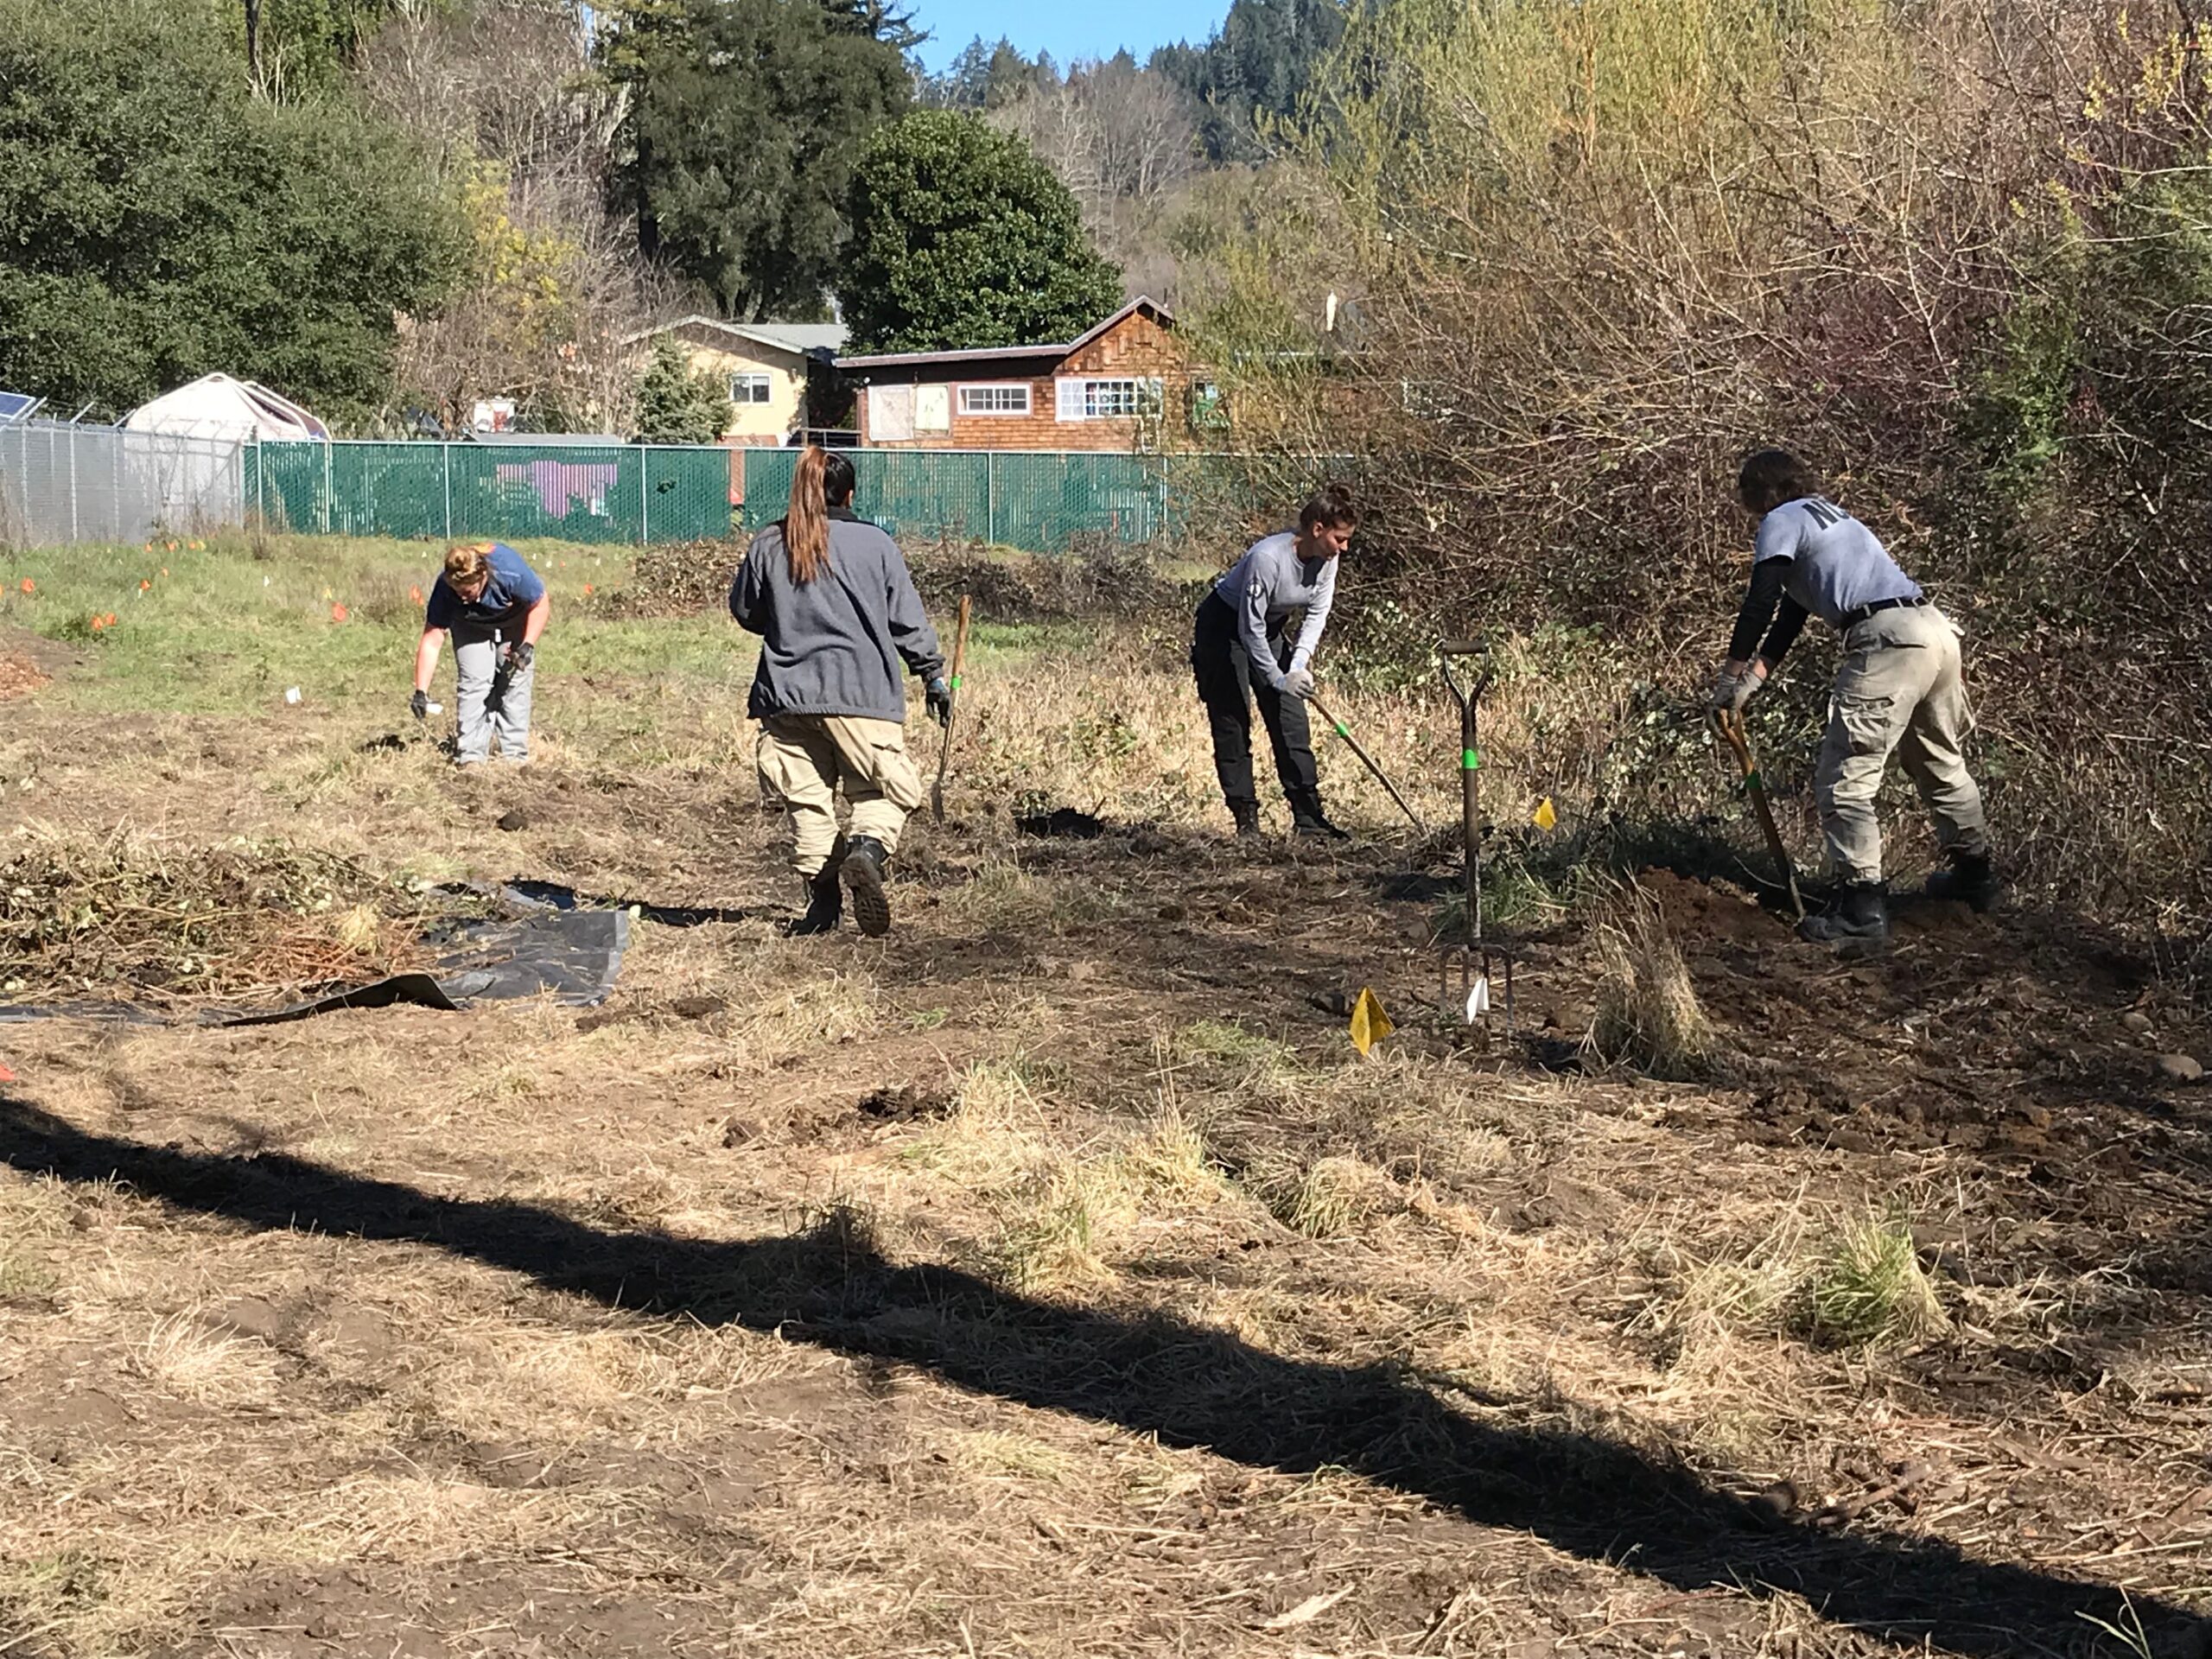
{"x": 158, "y": 221}
{"x": 962, "y": 237}
{"x": 676, "y": 405}
{"x": 743, "y": 121}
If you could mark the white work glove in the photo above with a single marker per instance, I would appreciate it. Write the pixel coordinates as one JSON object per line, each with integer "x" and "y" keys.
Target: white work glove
{"x": 1732, "y": 691}
{"x": 1299, "y": 684}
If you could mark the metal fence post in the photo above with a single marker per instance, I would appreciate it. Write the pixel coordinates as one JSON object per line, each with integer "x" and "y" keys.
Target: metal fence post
{"x": 990, "y": 498}
{"x": 643, "y": 509}
{"x": 73, "y": 482}
{"x": 327, "y": 448}
{"x": 445, "y": 454}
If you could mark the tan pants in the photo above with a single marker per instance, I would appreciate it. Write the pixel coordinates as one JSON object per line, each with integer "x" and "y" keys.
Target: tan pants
{"x": 1899, "y": 690}
{"x": 804, "y": 758}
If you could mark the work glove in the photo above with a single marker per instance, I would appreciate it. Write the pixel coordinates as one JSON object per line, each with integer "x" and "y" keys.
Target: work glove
{"x": 1299, "y": 684}
{"x": 1732, "y": 691}
{"x": 419, "y": 705}
{"x": 936, "y": 696}
{"x": 519, "y": 655}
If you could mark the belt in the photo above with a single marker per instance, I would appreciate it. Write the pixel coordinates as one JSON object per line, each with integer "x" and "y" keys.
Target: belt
{"x": 1852, "y": 618}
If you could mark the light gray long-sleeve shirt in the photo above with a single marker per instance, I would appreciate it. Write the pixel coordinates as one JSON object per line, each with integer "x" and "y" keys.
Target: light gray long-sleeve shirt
{"x": 1267, "y": 585}
{"x": 833, "y": 645}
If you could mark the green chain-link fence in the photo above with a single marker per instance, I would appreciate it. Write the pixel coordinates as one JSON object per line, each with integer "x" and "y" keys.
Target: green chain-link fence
{"x": 1032, "y": 500}
{"x": 617, "y": 492}
{"x": 1039, "y": 501}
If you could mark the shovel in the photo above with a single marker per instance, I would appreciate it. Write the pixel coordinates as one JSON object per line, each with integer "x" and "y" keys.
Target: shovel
{"x": 1344, "y": 732}
{"x": 945, "y": 753}
{"x": 1729, "y": 722}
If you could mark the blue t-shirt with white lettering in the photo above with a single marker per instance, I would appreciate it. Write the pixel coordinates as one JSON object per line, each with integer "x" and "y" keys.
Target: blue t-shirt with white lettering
{"x": 507, "y": 597}
{"x": 1837, "y": 564}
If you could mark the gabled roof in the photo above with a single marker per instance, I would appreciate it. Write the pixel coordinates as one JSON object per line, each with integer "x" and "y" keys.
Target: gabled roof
{"x": 1159, "y": 314}
{"x": 802, "y": 339}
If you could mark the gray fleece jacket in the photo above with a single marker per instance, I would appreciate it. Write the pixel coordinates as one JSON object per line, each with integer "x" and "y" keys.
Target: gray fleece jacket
{"x": 834, "y": 646}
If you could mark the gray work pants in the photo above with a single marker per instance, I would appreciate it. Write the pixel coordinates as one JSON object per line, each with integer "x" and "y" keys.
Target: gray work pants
{"x": 1899, "y": 691}
{"x": 476, "y": 655}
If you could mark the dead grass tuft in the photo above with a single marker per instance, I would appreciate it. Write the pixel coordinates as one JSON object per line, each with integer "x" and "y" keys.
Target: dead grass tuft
{"x": 1647, "y": 1015}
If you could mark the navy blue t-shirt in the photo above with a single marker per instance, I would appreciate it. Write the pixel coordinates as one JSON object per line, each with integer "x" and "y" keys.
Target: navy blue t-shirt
{"x": 512, "y": 589}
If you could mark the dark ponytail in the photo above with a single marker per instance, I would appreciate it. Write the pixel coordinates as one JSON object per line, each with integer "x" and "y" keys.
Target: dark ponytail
{"x": 1333, "y": 505}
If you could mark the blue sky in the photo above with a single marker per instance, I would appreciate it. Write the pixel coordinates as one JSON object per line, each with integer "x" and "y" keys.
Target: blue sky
{"x": 1086, "y": 28}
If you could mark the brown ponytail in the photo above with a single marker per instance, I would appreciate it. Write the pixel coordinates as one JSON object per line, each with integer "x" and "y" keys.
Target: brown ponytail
{"x": 807, "y": 525}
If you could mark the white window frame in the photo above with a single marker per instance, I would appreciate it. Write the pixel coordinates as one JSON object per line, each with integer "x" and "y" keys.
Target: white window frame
{"x": 755, "y": 381}
{"x": 1077, "y": 397}
{"x": 995, "y": 389}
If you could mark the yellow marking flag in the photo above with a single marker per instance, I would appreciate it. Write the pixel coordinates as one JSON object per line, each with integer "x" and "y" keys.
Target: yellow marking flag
{"x": 1547, "y": 819}
{"x": 1370, "y": 1025}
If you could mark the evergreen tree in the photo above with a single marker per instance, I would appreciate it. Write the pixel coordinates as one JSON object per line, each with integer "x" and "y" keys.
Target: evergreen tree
{"x": 676, "y": 405}
{"x": 744, "y": 119}
{"x": 961, "y": 238}
{"x": 1260, "y": 62}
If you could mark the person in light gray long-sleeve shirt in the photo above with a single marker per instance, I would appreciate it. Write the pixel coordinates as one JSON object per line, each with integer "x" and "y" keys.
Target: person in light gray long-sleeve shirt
{"x": 1239, "y": 644}
{"x": 835, "y": 605}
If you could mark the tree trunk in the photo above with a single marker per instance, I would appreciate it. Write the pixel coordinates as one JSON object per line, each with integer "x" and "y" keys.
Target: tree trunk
{"x": 254, "y": 44}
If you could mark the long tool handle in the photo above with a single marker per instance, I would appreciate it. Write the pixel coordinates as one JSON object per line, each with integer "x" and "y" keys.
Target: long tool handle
{"x": 945, "y": 753}
{"x": 1730, "y": 723}
{"x": 1344, "y": 732}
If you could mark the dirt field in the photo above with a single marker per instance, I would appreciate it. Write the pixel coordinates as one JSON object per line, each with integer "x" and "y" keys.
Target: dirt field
{"x": 1053, "y": 1278}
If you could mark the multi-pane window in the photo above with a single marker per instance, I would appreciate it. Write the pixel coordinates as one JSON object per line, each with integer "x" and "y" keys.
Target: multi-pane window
{"x": 995, "y": 400}
{"x": 1106, "y": 400}
{"x": 751, "y": 388}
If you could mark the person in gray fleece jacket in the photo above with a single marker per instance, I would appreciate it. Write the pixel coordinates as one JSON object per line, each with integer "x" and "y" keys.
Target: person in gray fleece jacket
{"x": 835, "y": 605}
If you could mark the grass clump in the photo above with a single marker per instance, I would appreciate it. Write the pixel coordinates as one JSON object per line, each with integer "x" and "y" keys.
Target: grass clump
{"x": 1048, "y": 1240}
{"x": 1647, "y": 1014}
{"x": 1329, "y": 1197}
{"x": 1871, "y": 1288}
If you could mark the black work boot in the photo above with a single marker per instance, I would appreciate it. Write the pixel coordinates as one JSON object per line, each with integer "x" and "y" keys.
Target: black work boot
{"x": 825, "y": 905}
{"x": 1860, "y": 913}
{"x": 1247, "y": 814}
{"x": 863, "y": 871}
{"x": 1972, "y": 880}
{"x": 1308, "y": 819}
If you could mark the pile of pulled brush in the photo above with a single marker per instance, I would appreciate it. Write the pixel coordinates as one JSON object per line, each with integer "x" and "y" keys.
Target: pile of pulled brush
{"x": 680, "y": 578}
{"x": 127, "y": 917}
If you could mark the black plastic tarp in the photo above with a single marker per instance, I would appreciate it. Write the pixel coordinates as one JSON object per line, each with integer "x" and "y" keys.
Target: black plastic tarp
{"x": 572, "y": 954}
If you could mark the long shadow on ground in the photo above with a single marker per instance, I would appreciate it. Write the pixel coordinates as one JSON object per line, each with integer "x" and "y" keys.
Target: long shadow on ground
{"x": 1191, "y": 1386}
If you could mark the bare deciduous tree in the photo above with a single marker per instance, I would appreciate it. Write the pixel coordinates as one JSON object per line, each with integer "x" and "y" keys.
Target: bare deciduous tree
{"x": 502, "y": 98}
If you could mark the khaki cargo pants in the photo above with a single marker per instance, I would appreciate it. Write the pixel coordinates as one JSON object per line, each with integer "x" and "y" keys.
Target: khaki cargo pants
{"x": 804, "y": 758}
{"x": 1899, "y": 691}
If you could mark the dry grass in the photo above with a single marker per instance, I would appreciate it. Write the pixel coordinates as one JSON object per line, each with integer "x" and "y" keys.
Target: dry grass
{"x": 1647, "y": 1013}
{"x": 196, "y": 1412}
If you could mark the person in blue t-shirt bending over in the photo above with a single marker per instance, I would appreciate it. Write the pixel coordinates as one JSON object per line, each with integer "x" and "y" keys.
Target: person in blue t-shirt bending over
{"x": 1899, "y": 689}
{"x": 496, "y": 607}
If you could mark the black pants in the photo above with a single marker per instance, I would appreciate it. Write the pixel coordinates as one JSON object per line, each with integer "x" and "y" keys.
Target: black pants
{"x": 1224, "y": 671}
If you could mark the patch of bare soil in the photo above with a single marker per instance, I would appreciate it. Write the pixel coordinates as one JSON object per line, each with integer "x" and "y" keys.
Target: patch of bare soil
{"x": 29, "y": 662}
{"x": 1052, "y": 1277}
